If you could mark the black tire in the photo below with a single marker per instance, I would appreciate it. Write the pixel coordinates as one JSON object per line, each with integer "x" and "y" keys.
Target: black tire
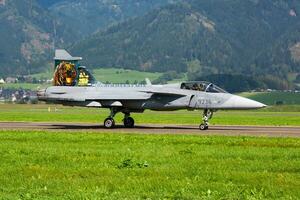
{"x": 129, "y": 122}
{"x": 109, "y": 123}
{"x": 203, "y": 127}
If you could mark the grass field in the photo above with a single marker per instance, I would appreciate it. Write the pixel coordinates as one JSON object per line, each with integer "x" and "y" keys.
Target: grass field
{"x": 113, "y": 75}
{"x": 59, "y": 165}
{"x": 40, "y": 113}
{"x": 95, "y": 165}
{"x": 270, "y": 98}
{"x": 26, "y": 86}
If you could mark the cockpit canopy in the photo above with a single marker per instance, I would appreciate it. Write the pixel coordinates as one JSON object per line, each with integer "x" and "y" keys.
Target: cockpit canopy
{"x": 202, "y": 86}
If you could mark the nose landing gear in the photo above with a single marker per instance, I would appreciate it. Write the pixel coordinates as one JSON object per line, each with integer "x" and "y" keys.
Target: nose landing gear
{"x": 207, "y": 114}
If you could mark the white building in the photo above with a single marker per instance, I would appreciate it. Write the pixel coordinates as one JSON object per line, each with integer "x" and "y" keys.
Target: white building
{"x": 2, "y": 2}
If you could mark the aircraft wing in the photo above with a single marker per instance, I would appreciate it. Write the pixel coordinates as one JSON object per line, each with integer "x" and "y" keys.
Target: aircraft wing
{"x": 164, "y": 92}
{"x": 99, "y": 97}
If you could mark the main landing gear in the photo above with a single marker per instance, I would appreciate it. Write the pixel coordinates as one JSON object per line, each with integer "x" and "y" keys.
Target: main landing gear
{"x": 207, "y": 115}
{"x": 109, "y": 122}
{"x": 128, "y": 121}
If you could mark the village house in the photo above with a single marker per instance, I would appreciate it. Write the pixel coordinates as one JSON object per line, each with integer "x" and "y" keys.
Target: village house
{"x": 2, "y": 2}
{"x": 11, "y": 80}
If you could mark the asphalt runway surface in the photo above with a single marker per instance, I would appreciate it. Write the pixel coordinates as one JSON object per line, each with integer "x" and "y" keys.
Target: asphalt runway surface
{"x": 268, "y": 131}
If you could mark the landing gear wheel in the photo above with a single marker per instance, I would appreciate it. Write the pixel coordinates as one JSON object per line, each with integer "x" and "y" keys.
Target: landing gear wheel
{"x": 207, "y": 114}
{"x": 203, "y": 127}
{"x": 129, "y": 122}
{"x": 109, "y": 123}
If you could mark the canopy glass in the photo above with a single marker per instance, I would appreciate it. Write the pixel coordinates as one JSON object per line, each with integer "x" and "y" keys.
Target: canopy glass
{"x": 202, "y": 86}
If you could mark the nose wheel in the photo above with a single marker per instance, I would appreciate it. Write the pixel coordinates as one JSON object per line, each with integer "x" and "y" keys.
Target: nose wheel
{"x": 203, "y": 127}
{"x": 207, "y": 114}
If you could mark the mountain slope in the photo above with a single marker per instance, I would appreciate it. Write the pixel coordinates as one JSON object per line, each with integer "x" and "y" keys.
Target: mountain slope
{"x": 283, "y": 56}
{"x": 28, "y": 34}
{"x": 88, "y": 16}
{"x": 199, "y": 36}
{"x": 154, "y": 42}
{"x": 30, "y": 30}
{"x": 48, "y": 3}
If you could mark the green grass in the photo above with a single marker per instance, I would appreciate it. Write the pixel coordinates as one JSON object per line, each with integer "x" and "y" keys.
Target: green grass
{"x": 43, "y": 75}
{"x": 292, "y": 76}
{"x": 117, "y": 75}
{"x": 282, "y": 108}
{"x": 60, "y": 165}
{"x": 114, "y": 75}
{"x": 47, "y": 73}
{"x": 27, "y": 86}
{"x": 270, "y": 98}
{"x": 40, "y": 113}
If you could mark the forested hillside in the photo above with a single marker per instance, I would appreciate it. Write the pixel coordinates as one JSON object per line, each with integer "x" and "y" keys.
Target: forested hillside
{"x": 28, "y": 34}
{"x": 203, "y": 37}
{"x": 88, "y": 16}
{"x": 31, "y": 30}
{"x": 215, "y": 39}
{"x": 48, "y": 3}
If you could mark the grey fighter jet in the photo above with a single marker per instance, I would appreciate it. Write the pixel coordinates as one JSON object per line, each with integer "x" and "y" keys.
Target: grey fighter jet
{"x": 74, "y": 85}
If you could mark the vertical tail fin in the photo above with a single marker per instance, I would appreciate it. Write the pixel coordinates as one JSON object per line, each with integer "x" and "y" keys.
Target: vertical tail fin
{"x": 63, "y": 55}
{"x": 65, "y": 72}
{"x": 68, "y": 71}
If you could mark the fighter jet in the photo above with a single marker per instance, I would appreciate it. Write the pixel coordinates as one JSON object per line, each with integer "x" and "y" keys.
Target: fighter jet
{"x": 74, "y": 85}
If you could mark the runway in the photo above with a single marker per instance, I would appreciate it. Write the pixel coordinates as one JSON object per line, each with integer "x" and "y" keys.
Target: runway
{"x": 266, "y": 131}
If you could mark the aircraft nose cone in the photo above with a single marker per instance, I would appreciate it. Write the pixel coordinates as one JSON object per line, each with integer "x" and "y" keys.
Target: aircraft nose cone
{"x": 245, "y": 103}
